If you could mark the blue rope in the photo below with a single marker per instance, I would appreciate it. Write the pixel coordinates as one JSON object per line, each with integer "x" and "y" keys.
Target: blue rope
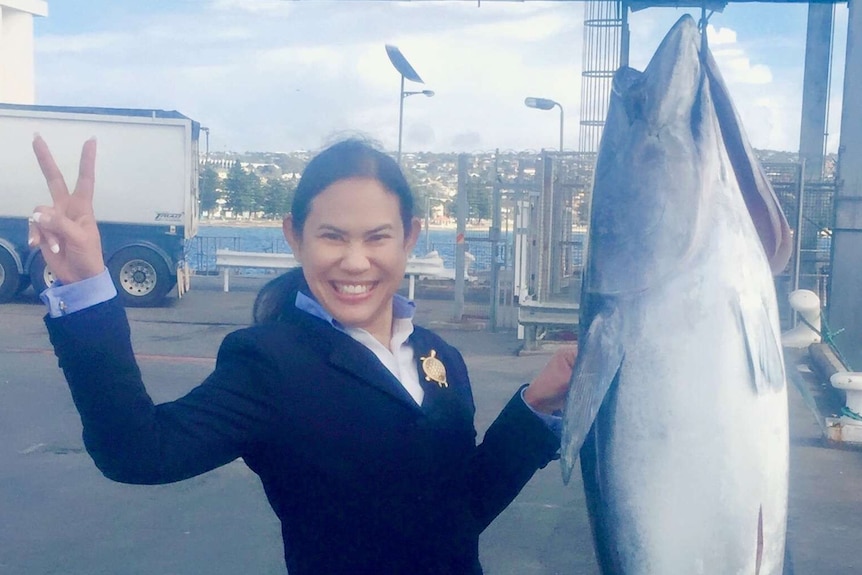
{"x": 846, "y": 411}
{"x": 828, "y": 337}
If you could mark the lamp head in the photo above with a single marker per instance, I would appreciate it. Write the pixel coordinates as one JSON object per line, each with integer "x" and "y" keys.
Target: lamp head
{"x": 540, "y": 103}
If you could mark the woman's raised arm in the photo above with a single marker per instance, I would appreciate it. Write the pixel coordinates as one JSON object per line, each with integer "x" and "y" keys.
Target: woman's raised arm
{"x": 66, "y": 231}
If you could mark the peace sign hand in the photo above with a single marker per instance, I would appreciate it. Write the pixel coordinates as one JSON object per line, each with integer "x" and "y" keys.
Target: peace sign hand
{"x": 66, "y": 232}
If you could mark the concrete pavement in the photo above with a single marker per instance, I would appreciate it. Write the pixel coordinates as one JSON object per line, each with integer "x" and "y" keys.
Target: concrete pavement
{"x": 59, "y": 515}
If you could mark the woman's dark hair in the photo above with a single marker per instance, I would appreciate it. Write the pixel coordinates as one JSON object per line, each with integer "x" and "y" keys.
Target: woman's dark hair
{"x": 273, "y": 298}
{"x": 350, "y": 158}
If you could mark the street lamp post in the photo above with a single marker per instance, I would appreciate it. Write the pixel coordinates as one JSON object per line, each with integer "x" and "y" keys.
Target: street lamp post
{"x": 546, "y": 104}
{"x": 406, "y": 70}
{"x": 427, "y": 93}
{"x": 206, "y": 131}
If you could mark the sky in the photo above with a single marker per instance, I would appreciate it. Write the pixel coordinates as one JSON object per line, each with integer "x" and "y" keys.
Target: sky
{"x": 286, "y": 75}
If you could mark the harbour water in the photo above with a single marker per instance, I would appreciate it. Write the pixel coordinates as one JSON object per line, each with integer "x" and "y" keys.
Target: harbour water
{"x": 201, "y": 250}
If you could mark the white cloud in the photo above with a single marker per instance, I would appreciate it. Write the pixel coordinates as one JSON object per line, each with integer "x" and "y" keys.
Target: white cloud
{"x": 737, "y": 68}
{"x": 771, "y": 121}
{"x": 327, "y": 61}
{"x": 283, "y": 75}
{"x": 78, "y": 43}
{"x": 530, "y": 29}
{"x": 719, "y": 36}
{"x": 258, "y": 7}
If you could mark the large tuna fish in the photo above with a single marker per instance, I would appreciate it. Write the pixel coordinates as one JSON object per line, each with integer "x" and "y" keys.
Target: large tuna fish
{"x": 680, "y": 399}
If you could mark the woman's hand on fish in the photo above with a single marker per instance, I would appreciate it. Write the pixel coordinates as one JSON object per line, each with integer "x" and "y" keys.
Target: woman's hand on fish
{"x": 547, "y": 392}
{"x": 66, "y": 231}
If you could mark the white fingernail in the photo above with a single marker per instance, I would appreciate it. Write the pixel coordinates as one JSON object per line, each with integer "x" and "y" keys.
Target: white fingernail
{"x": 31, "y": 241}
{"x": 55, "y": 248}
{"x": 35, "y": 217}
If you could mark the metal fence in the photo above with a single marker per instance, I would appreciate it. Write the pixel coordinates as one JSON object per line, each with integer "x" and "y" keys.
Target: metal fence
{"x": 200, "y": 251}
{"x": 556, "y": 189}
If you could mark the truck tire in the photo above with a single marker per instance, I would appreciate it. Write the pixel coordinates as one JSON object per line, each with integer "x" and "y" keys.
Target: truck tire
{"x": 41, "y": 277}
{"x": 23, "y": 283}
{"x": 141, "y": 276}
{"x": 9, "y": 276}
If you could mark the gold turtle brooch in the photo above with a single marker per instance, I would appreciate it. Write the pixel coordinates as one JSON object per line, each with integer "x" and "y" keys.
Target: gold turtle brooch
{"x": 434, "y": 369}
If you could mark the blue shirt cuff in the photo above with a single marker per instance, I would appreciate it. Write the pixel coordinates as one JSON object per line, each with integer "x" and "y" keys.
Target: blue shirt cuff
{"x": 554, "y": 422}
{"x": 65, "y": 299}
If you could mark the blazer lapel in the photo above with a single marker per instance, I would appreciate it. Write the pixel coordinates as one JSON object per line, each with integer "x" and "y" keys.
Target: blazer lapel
{"x": 361, "y": 363}
{"x": 344, "y": 352}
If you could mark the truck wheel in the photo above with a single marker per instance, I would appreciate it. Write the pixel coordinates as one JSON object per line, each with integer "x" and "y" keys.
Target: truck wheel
{"x": 41, "y": 277}
{"x": 141, "y": 276}
{"x": 23, "y": 283}
{"x": 9, "y": 276}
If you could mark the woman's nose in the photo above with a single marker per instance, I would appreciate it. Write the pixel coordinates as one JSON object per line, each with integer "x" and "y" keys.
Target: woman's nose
{"x": 355, "y": 258}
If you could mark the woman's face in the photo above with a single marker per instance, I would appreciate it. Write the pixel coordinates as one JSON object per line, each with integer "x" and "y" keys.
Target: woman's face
{"x": 354, "y": 251}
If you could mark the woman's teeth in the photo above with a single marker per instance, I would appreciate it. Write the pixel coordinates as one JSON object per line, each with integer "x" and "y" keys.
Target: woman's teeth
{"x": 352, "y": 289}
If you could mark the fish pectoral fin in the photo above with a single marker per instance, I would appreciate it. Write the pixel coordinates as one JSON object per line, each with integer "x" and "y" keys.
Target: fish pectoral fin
{"x": 765, "y": 363}
{"x": 600, "y": 355}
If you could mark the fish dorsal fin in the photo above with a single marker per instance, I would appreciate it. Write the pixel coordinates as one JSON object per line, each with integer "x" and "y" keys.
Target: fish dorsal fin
{"x": 760, "y": 198}
{"x": 765, "y": 362}
{"x": 600, "y": 355}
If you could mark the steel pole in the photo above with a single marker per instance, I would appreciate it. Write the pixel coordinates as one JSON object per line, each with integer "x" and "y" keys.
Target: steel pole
{"x": 427, "y": 222}
{"x": 561, "y": 126}
{"x": 400, "y": 117}
{"x": 844, "y": 303}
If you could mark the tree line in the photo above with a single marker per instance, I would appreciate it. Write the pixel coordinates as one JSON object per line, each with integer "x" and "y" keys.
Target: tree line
{"x": 244, "y": 191}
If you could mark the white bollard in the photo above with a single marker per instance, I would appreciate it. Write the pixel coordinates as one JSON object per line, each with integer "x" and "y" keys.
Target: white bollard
{"x": 807, "y": 305}
{"x": 851, "y": 383}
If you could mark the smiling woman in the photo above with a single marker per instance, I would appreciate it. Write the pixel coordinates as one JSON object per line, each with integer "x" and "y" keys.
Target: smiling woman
{"x": 354, "y": 250}
{"x": 358, "y": 422}
{"x": 353, "y": 238}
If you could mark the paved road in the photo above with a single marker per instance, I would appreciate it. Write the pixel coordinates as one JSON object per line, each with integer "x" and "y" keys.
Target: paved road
{"x": 59, "y": 515}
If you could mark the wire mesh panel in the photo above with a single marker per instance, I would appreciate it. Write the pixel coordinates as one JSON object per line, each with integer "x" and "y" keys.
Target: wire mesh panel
{"x": 490, "y": 182}
{"x": 558, "y": 225}
{"x": 575, "y": 181}
{"x": 808, "y": 207}
{"x": 603, "y": 22}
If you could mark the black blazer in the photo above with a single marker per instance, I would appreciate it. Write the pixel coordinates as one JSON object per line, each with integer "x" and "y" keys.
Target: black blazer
{"x": 362, "y": 479}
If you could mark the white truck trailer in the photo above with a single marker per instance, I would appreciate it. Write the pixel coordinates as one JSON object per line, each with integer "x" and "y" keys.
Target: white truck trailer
{"x": 146, "y": 197}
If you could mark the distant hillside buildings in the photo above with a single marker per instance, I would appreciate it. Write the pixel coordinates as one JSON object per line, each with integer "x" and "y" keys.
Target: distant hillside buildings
{"x": 433, "y": 176}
